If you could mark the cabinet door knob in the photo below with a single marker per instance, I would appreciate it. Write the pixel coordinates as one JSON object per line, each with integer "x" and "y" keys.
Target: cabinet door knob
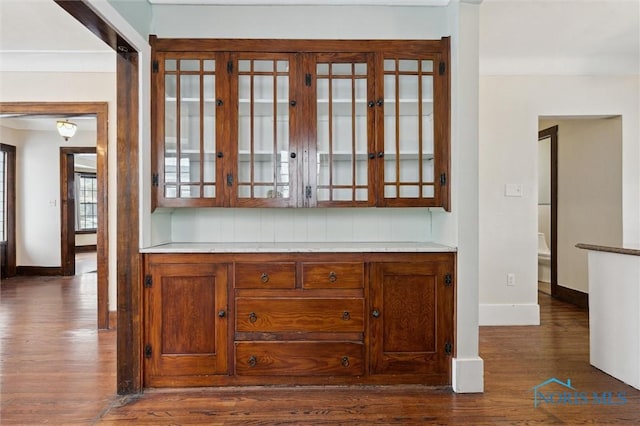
{"x": 222, "y": 314}
{"x": 252, "y": 361}
{"x": 264, "y": 277}
{"x": 333, "y": 277}
{"x": 372, "y": 155}
{"x": 219, "y": 102}
{"x": 346, "y": 316}
{"x": 371, "y": 104}
{"x": 293, "y": 103}
{"x": 293, "y": 155}
{"x": 253, "y": 317}
{"x": 345, "y": 361}
{"x": 375, "y": 313}
{"x": 220, "y": 154}
{"x": 379, "y": 102}
{"x": 381, "y": 154}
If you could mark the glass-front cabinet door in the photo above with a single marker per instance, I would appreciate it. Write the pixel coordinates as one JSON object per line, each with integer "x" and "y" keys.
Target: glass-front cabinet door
{"x": 188, "y": 159}
{"x": 301, "y": 123}
{"x": 344, "y": 131}
{"x": 265, "y": 157}
{"x": 409, "y": 174}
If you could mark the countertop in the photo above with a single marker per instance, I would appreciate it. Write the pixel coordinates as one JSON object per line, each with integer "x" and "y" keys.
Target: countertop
{"x": 300, "y": 247}
{"x": 633, "y": 251}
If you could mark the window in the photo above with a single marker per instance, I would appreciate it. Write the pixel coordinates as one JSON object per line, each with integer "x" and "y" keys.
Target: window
{"x": 86, "y": 202}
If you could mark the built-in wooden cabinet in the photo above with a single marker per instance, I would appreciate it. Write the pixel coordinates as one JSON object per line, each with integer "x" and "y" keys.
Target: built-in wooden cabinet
{"x": 298, "y": 318}
{"x": 411, "y": 308}
{"x": 294, "y": 123}
{"x": 186, "y": 321}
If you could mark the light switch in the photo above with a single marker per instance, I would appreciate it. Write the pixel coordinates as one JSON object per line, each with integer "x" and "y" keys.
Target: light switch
{"x": 513, "y": 190}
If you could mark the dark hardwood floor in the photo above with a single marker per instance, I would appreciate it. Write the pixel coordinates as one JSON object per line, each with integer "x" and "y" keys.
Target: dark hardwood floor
{"x": 56, "y": 368}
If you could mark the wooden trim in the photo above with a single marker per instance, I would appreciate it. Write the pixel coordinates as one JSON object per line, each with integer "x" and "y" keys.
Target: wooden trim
{"x": 418, "y": 47}
{"x": 10, "y": 269}
{"x": 552, "y": 133}
{"x": 129, "y": 372}
{"x": 86, "y": 249}
{"x": 113, "y": 320}
{"x": 83, "y": 13}
{"x": 67, "y": 213}
{"x": 100, "y": 110}
{"x": 129, "y": 368}
{"x": 86, "y": 232}
{"x": 48, "y": 271}
{"x": 575, "y": 297}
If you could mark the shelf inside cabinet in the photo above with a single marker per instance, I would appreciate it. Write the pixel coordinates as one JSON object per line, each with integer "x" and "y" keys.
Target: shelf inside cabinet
{"x": 192, "y": 154}
{"x": 262, "y": 156}
{"x": 264, "y": 107}
{"x": 344, "y": 107}
{"x": 347, "y": 156}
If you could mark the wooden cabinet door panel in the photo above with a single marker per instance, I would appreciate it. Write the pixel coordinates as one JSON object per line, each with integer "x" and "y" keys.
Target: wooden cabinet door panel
{"x": 411, "y": 317}
{"x": 186, "y": 324}
{"x": 300, "y": 358}
{"x": 256, "y": 314}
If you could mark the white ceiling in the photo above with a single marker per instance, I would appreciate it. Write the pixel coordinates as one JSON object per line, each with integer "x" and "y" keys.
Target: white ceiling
{"x": 42, "y": 25}
{"x": 560, "y": 37}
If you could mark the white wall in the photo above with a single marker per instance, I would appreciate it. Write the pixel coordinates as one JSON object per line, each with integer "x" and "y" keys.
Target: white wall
{"x": 589, "y": 192}
{"x": 38, "y": 192}
{"x": 73, "y": 87}
{"x": 509, "y": 111}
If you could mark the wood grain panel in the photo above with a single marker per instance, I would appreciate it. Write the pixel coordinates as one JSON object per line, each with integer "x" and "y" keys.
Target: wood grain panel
{"x": 299, "y": 358}
{"x": 332, "y": 275}
{"x": 265, "y": 275}
{"x": 412, "y": 310}
{"x": 299, "y": 314}
{"x": 186, "y": 323}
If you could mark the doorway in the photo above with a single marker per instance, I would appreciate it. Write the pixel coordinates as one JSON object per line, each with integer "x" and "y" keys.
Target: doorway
{"x": 585, "y": 165}
{"x": 548, "y": 210}
{"x": 99, "y": 110}
{"x": 78, "y": 204}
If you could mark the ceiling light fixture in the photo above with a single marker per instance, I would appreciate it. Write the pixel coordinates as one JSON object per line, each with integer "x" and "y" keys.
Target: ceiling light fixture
{"x": 66, "y": 129}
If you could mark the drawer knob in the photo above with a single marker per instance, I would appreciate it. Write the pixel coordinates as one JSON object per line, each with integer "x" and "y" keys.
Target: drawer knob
{"x": 222, "y": 314}
{"x": 252, "y": 317}
{"x": 346, "y": 316}
{"x": 264, "y": 277}
{"x": 252, "y": 361}
{"x": 345, "y": 361}
{"x": 332, "y": 277}
{"x": 375, "y": 313}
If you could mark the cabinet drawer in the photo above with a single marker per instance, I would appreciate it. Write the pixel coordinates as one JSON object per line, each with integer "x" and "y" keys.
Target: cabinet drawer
{"x": 265, "y": 275}
{"x": 333, "y": 275}
{"x": 300, "y": 358}
{"x": 299, "y": 314}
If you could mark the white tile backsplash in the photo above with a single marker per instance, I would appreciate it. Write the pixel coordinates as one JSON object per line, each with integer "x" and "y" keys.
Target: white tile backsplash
{"x": 202, "y": 225}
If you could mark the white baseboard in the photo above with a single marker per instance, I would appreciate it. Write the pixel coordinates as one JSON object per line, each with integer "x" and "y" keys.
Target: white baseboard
{"x": 509, "y": 314}
{"x": 468, "y": 375}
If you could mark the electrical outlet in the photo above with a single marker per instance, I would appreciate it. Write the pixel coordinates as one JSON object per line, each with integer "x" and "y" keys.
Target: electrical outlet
{"x": 511, "y": 279}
